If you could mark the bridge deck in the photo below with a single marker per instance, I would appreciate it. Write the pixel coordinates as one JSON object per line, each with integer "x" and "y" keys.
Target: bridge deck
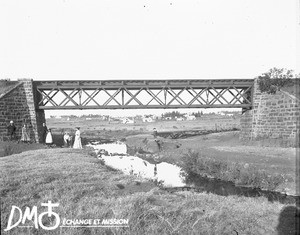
{"x": 134, "y": 94}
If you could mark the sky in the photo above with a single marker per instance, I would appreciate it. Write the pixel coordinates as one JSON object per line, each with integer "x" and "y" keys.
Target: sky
{"x": 147, "y": 39}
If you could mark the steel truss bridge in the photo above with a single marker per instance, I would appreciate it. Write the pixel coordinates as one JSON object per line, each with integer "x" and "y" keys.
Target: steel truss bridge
{"x": 144, "y": 94}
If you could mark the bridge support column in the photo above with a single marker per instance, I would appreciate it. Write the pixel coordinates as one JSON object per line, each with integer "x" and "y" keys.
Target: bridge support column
{"x": 19, "y": 104}
{"x": 273, "y": 117}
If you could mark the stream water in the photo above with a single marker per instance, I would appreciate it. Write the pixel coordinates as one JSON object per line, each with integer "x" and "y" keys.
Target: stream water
{"x": 168, "y": 174}
{"x": 172, "y": 177}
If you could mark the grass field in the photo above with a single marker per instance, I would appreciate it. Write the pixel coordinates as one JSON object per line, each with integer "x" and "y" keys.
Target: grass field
{"x": 12, "y": 147}
{"x": 119, "y": 130}
{"x": 85, "y": 189}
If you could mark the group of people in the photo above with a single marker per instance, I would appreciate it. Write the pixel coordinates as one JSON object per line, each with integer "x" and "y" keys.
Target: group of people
{"x": 47, "y": 137}
{"x": 77, "y": 140}
{"x": 11, "y": 132}
{"x": 67, "y": 138}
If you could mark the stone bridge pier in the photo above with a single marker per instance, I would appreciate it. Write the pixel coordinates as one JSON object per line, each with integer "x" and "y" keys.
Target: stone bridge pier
{"x": 18, "y": 103}
{"x": 273, "y": 117}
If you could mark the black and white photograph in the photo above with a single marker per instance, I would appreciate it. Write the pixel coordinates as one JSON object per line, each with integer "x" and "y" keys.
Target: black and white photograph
{"x": 175, "y": 117}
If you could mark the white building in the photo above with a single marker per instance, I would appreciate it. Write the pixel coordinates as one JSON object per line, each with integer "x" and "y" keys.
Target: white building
{"x": 148, "y": 119}
{"x": 190, "y": 117}
{"x": 127, "y": 121}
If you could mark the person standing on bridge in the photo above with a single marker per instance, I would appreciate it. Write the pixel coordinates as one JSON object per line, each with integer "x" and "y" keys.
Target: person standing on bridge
{"x": 11, "y": 130}
{"x": 77, "y": 140}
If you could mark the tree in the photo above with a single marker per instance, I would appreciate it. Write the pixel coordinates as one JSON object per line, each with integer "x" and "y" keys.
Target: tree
{"x": 173, "y": 114}
{"x": 274, "y": 79}
{"x": 197, "y": 114}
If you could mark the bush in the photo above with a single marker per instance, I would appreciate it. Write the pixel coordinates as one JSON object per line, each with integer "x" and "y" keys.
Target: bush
{"x": 275, "y": 79}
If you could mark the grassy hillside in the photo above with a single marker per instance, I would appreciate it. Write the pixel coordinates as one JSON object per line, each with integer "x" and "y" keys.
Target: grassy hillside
{"x": 13, "y": 147}
{"x": 85, "y": 189}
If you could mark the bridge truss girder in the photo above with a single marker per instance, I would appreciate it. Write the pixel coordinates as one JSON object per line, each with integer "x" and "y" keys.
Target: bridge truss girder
{"x": 144, "y": 94}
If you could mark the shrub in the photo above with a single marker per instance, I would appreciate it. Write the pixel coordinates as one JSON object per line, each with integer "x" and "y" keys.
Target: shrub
{"x": 275, "y": 79}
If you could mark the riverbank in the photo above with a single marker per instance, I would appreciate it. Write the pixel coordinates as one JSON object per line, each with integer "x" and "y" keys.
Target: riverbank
{"x": 225, "y": 157}
{"x": 85, "y": 189}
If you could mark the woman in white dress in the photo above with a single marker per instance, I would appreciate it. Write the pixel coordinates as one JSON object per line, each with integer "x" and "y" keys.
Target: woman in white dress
{"x": 25, "y": 137}
{"x": 77, "y": 140}
{"x": 49, "y": 139}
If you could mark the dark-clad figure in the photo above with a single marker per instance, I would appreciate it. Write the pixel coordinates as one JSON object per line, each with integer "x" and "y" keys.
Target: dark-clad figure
{"x": 155, "y": 133}
{"x": 11, "y": 130}
{"x": 45, "y": 131}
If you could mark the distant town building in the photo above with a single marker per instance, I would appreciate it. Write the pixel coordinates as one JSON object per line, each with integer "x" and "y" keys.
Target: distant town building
{"x": 190, "y": 117}
{"x": 179, "y": 118}
{"x": 127, "y": 121}
{"x": 148, "y": 119}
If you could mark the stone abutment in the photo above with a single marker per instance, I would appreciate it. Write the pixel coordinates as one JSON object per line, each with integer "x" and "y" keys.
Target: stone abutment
{"x": 272, "y": 117}
{"x": 19, "y": 105}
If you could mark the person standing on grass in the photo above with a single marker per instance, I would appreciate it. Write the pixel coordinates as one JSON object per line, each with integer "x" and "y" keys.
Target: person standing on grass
{"x": 66, "y": 139}
{"x": 25, "y": 137}
{"x": 154, "y": 133}
{"x": 77, "y": 140}
{"x": 70, "y": 141}
{"x": 45, "y": 131}
{"x": 49, "y": 138}
{"x": 159, "y": 144}
{"x": 11, "y": 130}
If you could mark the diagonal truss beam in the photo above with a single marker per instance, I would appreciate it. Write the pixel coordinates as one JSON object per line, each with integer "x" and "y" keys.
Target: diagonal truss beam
{"x": 243, "y": 94}
{"x": 72, "y": 94}
{"x": 91, "y": 97}
{"x": 112, "y": 97}
{"x": 175, "y": 96}
{"x": 198, "y": 95}
{"x": 47, "y": 97}
{"x": 155, "y": 97}
{"x": 69, "y": 98}
{"x": 235, "y": 93}
{"x": 133, "y": 97}
{"x": 216, "y": 97}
